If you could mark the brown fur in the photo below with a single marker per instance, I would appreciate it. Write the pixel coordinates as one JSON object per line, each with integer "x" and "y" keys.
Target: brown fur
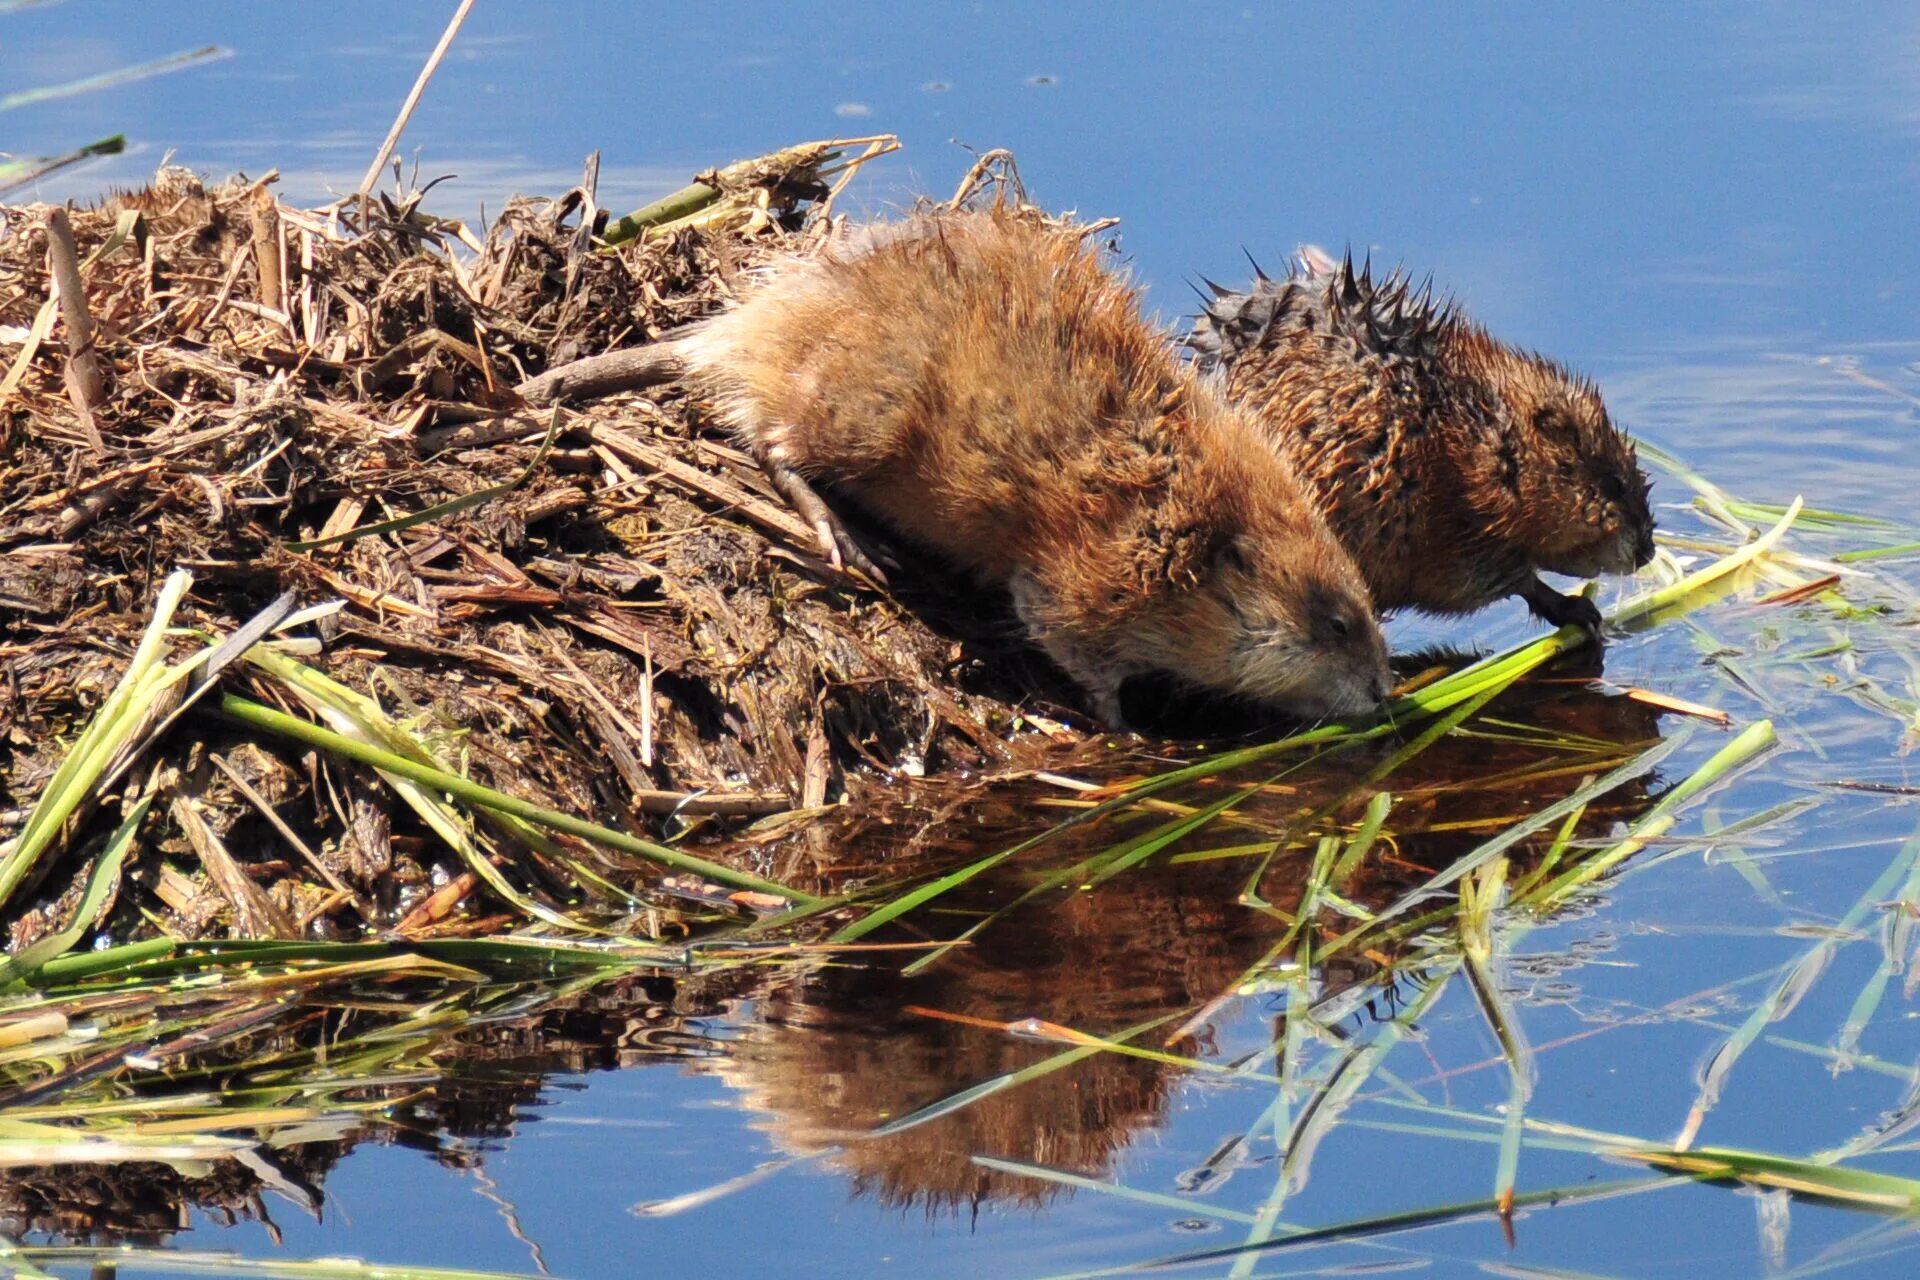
{"x": 980, "y": 383}
{"x": 1451, "y": 465}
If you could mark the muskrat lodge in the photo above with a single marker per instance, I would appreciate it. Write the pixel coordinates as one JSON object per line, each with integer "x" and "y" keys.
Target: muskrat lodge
{"x": 651, "y": 599}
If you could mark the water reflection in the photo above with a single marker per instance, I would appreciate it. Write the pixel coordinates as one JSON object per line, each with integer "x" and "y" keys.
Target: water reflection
{"x": 826, "y": 1053}
{"x": 845, "y": 1049}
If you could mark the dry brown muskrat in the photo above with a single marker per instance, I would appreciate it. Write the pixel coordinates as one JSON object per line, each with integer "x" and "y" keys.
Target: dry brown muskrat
{"x": 982, "y": 385}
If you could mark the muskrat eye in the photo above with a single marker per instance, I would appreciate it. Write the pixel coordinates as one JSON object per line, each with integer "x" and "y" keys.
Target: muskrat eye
{"x": 1338, "y": 625}
{"x": 1234, "y": 556}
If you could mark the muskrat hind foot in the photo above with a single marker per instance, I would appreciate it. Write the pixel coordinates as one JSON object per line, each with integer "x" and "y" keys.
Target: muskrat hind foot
{"x": 1562, "y": 610}
{"x": 840, "y": 547}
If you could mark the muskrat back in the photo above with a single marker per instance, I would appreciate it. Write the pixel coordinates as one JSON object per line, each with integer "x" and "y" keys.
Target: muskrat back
{"x": 1452, "y": 465}
{"x": 979, "y": 382}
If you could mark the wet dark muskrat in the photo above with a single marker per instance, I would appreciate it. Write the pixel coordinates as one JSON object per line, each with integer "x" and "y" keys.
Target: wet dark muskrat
{"x": 1452, "y": 466}
{"x": 980, "y": 383}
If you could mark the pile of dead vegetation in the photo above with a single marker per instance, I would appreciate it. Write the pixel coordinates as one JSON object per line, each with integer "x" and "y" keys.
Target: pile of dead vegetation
{"x": 605, "y": 613}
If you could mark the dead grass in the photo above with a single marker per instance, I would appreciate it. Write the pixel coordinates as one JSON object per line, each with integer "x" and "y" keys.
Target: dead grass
{"x": 624, "y": 626}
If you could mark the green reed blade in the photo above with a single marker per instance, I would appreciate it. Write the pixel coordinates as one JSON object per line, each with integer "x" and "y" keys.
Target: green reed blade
{"x": 1387, "y": 1224}
{"x": 1846, "y": 1187}
{"x": 1059, "y": 1177}
{"x": 100, "y": 883}
{"x": 441, "y": 510}
{"x": 1745, "y": 746}
{"x": 1490, "y": 849}
{"x": 496, "y": 801}
{"x": 115, "y": 729}
{"x": 1797, "y": 977}
{"x": 1329, "y": 1100}
{"x": 1013, "y": 1079}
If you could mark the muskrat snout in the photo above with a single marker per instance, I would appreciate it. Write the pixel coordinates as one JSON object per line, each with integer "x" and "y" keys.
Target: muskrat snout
{"x": 1347, "y": 673}
{"x": 1643, "y": 548}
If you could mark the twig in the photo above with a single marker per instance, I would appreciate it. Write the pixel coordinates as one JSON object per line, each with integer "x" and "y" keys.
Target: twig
{"x": 85, "y": 383}
{"x": 413, "y": 100}
{"x": 255, "y": 913}
{"x": 279, "y": 824}
{"x": 602, "y": 375}
{"x": 266, "y": 251}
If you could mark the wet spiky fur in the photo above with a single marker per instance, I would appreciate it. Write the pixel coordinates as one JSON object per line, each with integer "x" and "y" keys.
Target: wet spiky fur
{"x": 982, "y": 384}
{"x": 1451, "y": 465}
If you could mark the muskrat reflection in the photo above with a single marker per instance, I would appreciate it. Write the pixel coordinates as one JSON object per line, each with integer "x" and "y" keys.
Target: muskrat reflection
{"x": 845, "y": 1049}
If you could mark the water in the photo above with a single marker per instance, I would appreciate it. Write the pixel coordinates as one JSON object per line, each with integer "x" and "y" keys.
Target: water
{"x": 1709, "y": 209}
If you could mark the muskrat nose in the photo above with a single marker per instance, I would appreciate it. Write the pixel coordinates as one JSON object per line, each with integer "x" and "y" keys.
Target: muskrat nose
{"x": 1643, "y": 549}
{"x": 1382, "y": 686}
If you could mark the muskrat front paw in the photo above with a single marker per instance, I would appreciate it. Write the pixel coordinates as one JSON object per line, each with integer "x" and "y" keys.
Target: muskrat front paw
{"x": 1562, "y": 610}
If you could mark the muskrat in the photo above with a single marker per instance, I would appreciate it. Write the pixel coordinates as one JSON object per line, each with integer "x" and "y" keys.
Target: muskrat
{"x": 1451, "y": 465}
{"x": 980, "y": 383}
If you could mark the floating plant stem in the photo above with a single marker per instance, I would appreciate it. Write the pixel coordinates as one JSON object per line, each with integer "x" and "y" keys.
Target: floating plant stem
{"x": 1797, "y": 977}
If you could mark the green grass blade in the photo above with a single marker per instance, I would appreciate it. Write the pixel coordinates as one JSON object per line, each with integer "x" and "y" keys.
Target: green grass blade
{"x": 1797, "y": 978}
{"x": 487, "y": 798}
{"x": 1101, "y": 867}
{"x": 1360, "y": 843}
{"x": 1013, "y": 1079}
{"x": 1497, "y": 845}
{"x": 1657, "y": 821}
{"x": 114, "y": 727}
{"x": 1329, "y": 1101}
{"x": 441, "y": 510}
{"x": 1846, "y": 1187}
{"x": 1187, "y": 1206}
{"x": 1690, "y": 589}
{"x": 18, "y": 173}
{"x": 93, "y": 897}
{"x": 1481, "y": 897}
{"x": 1387, "y": 1224}
{"x": 1896, "y": 945}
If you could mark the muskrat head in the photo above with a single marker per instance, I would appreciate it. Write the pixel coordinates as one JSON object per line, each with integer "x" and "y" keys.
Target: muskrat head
{"x": 1286, "y": 620}
{"x": 1577, "y": 496}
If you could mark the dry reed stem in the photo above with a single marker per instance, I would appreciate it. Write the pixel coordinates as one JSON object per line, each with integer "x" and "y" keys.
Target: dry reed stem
{"x": 413, "y": 100}
{"x": 267, "y": 251}
{"x": 86, "y": 384}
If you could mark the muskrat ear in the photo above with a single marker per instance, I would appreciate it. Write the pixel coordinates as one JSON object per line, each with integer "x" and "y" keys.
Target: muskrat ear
{"x": 1550, "y": 421}
{"x": 1232, "y": 554}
